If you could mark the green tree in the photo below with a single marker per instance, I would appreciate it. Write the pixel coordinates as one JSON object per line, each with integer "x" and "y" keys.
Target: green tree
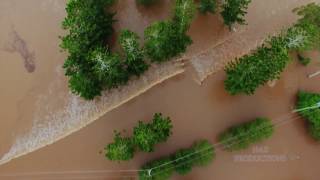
{"x": 200, "y": 154}
{"x": 183, "y": 15}
{"x": 122, "y": 149}
{"x": 307, "y": 105}
{"x": 88, "y": 26}
{"x": 160, "y": 35}
{"x": 85, "y": 85}
{"x": 204, "y": 152}
{"x": 234, "y": 11}
{"x": 108, "y": 68}
{"x": 135, "y": 63}
{"x": 242, "y": 136}
{"x": 162, "y": 127}
{"x": 146, "y": 136}
{"x": 183, "y": 161}
{"x": 161, "y": 169}
{"x": 207, "y": 6}
{"x": 246, "y": 74}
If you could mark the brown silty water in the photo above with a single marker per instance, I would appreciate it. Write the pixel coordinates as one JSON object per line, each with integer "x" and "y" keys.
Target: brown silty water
{"x": 196, "y": 111}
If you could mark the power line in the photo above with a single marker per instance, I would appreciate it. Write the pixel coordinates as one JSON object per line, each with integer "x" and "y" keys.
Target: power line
{"x": 284, "y": 118}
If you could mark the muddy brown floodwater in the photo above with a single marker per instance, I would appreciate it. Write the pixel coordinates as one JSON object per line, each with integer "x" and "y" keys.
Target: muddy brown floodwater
{"x": 32, "y": 102}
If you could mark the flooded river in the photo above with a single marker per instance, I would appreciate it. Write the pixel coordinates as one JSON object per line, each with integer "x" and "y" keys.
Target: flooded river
{"x": 34, "y": 98}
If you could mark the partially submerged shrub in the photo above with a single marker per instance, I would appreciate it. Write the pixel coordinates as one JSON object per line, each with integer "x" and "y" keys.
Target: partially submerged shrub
{"x": 122, "y": 149}
{"x": 201, "y": 153}
{"x": 134, "y": 60}
{"x": 207, "y": 6}
{"x": 242, "y": 136}
{"x": 234, "y": 11}
{"x": 308, "y": 105}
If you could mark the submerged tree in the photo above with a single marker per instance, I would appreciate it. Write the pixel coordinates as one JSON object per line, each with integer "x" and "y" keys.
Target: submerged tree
{"x": 204, "y": 152}
{"x": 146, "y": 136}
{"x": 234, "y": 11}
{"x": 159, "y": 36}
{"x": 161, "y": 169}
{"x": 308, "y": 105}
{"x": 88, "y": 25}
{"x": 122, "y": 149}
{"x": 207, "y": 6}
{"x": 184, "y": 161}
{"x": 246, "y": 74}
{"x": 201, "y": 153}
{"x": 134, "y": 61}
{"x": 242, "y": 136}
{"x": 183, "y": 15}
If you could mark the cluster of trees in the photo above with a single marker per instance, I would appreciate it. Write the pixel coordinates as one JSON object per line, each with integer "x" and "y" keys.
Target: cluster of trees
{"x": 201, "y": 153}
{"x": 246, "y": 74}
{"x": 92, "y": 67}
{"x": 145, "y": 137}
{"x": 242, "y": 136}
{"x": 312, "y": 115}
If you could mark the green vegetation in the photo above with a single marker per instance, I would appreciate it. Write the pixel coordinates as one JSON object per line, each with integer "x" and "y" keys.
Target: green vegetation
{"x": 247, "y": 73}
{"x": 146, "y": 2}
{"x": 163, "y": 170}
{"x": 207, "y": 6}
{"x": 242, "y": 136}
{"x": 234, "y": 11}
{"x": 312, "y": 115}
{"x": 145, "y": 137}
{"x": 200, "y": 154}
{"x": 122, "y": 149}
{"x": 92, "y": 67}
{"x": 134, "y": 60}
{"x": 160, "y": 35}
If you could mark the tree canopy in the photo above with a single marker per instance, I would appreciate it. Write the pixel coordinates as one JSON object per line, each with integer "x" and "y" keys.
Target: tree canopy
{"x": 242, "y": 136}
{"x": 234, "y": 11}
{"x": 145, "y": 137}
{"x": 122, "y": 149}
{"x": 160, "y": 35}
{"x": 134, "y": 59}
{"x": 246, "y": 74}
{"x": 307, "y": 103}
{"x": 201, "y": 153}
